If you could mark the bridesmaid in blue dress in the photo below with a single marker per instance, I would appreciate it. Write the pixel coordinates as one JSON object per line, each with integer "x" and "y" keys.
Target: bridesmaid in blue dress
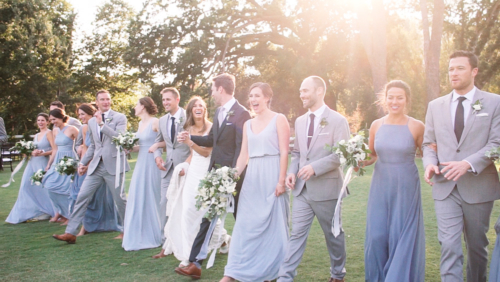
{"x": 62, "y": 145}
{"x": 395, "y": 239}
{"x": 495, "y": 256}
{"x": 260, "y": 235}
{"x": 101, "y": 213}
{"x": 142, "y": 228}
{"x": 33, "y": 201}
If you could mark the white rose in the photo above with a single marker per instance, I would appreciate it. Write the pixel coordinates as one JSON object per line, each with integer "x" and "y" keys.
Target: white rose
{"x": 342, "y": 160}
{"x": 342, "y": 142}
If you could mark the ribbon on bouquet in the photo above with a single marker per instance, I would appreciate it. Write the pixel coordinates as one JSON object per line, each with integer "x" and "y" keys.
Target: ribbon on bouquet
{"x": 118, "y": 170}
{"x": 16, "y": 170}
{"x": 336, "y": 223}
{"x": 204, "y": 248}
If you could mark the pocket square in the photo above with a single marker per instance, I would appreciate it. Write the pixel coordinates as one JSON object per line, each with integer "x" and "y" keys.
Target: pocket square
{"x": 482, "y": 115}
{"x": 326, "y": 133}
{"x": 228, "y": 123}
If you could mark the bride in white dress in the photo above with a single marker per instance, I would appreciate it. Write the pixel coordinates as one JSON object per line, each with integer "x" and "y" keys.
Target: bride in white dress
{"x": 183, "y": 211}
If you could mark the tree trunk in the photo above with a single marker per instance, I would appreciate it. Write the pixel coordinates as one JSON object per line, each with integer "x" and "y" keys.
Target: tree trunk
{"x": 374, "y": 37}
{"x": 433, "y": 51}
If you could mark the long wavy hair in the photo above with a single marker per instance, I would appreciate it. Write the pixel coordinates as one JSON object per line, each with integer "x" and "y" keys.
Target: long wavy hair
{"x": 189, "y": 114}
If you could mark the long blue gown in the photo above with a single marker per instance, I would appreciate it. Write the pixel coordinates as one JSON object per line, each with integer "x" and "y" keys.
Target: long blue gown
{"x": 142, "y": 228}
{"x": 495, "y": 261}
{"x": 32, "y": 200}
{"x": 57, "y": 184}
{"x": 101, "y": 213}
{"x": 260, "y": 234}
{"x": 395, "y": 239}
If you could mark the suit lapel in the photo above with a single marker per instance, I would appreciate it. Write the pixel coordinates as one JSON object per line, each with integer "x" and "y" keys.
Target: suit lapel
{"x": 449, "y": 124}
{"x": 233, "y": 109}
{"x": 472, "y": 116}
{"x": 319, "y": 129}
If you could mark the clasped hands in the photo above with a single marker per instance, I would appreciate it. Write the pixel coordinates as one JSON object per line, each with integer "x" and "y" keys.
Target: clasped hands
{"x": 452, "y": 170}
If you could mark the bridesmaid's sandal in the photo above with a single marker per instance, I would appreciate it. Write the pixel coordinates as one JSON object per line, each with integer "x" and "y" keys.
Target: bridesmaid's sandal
{"x": 160, "y": 255}
{"x": 119, "y": 237}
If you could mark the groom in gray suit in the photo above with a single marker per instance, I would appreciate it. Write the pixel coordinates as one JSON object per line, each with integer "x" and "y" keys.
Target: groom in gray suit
{"x": 100, "y": 164}
{"x": 459, "y": 128}
{"x": 316, "y": 179}
{"x": 170, "y": 124}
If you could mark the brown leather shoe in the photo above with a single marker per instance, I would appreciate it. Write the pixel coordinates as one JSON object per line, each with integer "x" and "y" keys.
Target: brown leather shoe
{"x": 68, "y": 238}
{"x": 191, "y": 270}
{"x": 335, "y": 280}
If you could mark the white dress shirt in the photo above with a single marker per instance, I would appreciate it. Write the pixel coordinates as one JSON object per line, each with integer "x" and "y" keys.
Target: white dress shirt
{"x": 467, "y": 103}
{"x": 98, "y": 126}
{"x": 177, "y": 117}
{"x": 225, "y": 109}
{"x": 317, "y": 118}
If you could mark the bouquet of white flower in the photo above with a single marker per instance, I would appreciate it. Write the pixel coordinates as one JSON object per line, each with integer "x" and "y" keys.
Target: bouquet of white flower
{"x": 67, "y": 166}
{"x": 352, "y": 152}
{"x": 216, "y": 191}
{"x": 125, "y": 140}
{"x": 24, "y": 147}
{"x": 37, "y": 177}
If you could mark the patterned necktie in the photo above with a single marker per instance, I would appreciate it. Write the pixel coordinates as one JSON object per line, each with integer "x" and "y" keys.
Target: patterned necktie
{"x": 459, "y": 119}
{"x": 310, "y": 132}
{"x": 172, "y": 129}
{"x": 100, "y": 132}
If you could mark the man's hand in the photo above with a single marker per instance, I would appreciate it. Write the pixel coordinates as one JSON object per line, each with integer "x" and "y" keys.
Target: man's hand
{"x": 183, "y": 137}
{"x": 160, "y": 164}
{"x": 430, "y": 170}
{"x": 182, "y": 172}
{"x": 98, "y": 116}
{"x": 306, "y": 172}
{"x": 290, "y": 181}
{"x": 455, "y": 169}
{"x": 82, "y": 169}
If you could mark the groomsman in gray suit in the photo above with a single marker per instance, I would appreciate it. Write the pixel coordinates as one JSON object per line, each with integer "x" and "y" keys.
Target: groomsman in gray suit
{"x": 459, "y": 128}
{"x": 170, "y": 124}
{"x": 100, "y": 164}
{"x": 316, "y": 179}
{"x": 72, "y": 121}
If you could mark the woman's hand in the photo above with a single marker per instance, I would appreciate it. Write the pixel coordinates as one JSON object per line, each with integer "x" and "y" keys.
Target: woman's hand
{"x": 280, "y": 189}
{"x": 47, "y": 168}
{"x": 153, "y": 148}
{"x": 36, "y": 153}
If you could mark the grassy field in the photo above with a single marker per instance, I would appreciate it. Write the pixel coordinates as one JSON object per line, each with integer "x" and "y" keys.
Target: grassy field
{"x": 28, "y": 253}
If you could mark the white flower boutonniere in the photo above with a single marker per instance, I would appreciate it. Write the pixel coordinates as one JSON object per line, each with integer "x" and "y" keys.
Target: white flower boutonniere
{"x": 108, "y": 120}
{"x": 179, "y": 120}
{"x": 477, "y": 106}
{"x": 230, "y": 113}
{"x": 323, "y": 123}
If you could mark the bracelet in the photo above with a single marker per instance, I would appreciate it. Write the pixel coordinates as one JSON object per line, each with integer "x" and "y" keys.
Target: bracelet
{"x": 281, "y": 185}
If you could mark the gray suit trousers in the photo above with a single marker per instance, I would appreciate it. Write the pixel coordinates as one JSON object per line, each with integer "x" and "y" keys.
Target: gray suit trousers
{"x": 89, "y": 186}
{"x": 455, "y": 216}
{"x": 165, "y": 182}
{"x": 303, "y": 212}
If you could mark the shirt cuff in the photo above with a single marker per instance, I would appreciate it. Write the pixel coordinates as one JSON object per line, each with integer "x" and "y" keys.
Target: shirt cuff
{"x": 471, "y": 167}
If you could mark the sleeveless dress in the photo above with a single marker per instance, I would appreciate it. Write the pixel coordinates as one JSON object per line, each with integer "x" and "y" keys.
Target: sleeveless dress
{"x": 32, "y": 200}
{"x": 260, "y": 235}
{"x": 142, "y": 217}
{"x": 55, "y": 183}
{"x": 101, "y": 213}
{"x": 184, "y": 223}
{"x": 395, "y": 239}
{"x": 495, "y": 262}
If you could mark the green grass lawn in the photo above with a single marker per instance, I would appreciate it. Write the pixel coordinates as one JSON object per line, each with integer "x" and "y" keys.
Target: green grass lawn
{"x": 28, "y": 253}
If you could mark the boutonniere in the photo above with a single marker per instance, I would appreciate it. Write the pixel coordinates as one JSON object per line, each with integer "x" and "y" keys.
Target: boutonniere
{"x": 108, "y": 120}
{"x": 477, "y": 106}
{"x": 179, "y": 120}
{"x": 230, "y": 113}
{"x": 323, "y": 123}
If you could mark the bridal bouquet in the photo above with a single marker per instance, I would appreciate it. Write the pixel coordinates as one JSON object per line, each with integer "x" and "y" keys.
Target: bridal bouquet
{"x": 351, "y": 153}
{"x": 24, "y": 147}
{"x": 37, "y": 177}
{"x": 67, "y": 166}
{"x": 125, "y": 140}
{"x": 493, "y": 154}
{"x": 216, "y": 191}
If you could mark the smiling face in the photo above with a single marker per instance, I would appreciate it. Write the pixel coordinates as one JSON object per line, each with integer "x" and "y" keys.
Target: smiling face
{"x": 170, "y": 102}
{"x": 83, "y": 116}
{"x": 309, "y": 93}
{"x": 461, "y": 74}
{"x": 103, "y": 102}
{"x": 138, "y": 109}
{"x": 199, "y": 109}
{"x": 257, "y": 100}
{"x": 57, "y": 122}
{"x": 396, "y": 100}
{"x": 41, "y": 122}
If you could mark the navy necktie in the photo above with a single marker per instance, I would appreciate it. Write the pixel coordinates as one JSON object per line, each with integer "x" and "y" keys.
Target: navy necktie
{"x": 172, "y": 129}
{"x": 459, "y": 119}
{"x": 103, "y": 120}
{"x": 310, "y": 132}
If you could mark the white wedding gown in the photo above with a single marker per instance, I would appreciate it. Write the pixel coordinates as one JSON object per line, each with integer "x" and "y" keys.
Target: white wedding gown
{"x": 184, "y": 221}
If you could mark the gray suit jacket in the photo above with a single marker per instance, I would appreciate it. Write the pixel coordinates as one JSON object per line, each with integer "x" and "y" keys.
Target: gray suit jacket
{"x": 481, "y": 133}
{"x": 328, "y": 178}
{"x": 105, "y": 149}
{"x": 74, "y": 122}
{"x": 176, "y": 152}
{"x": 3, "y": 132}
